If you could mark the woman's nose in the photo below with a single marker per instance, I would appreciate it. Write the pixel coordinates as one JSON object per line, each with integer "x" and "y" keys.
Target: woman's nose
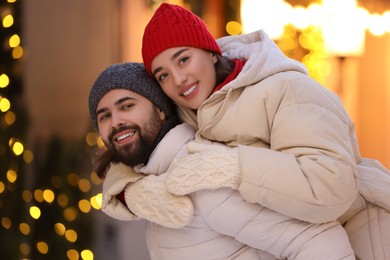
{"x": 178, "y": 78}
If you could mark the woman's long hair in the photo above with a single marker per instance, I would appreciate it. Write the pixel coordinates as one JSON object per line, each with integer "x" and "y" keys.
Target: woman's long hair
{"x": 102, "y": 161}
{"x": 223, "y": 67}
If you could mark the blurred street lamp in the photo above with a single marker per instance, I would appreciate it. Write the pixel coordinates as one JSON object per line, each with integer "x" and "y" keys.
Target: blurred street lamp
{"x": 271, "y": 16}
{"x": 344, "y": 29}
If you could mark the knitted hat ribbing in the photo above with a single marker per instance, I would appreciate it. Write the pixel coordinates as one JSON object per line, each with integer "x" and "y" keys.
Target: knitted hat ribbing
{"x": 174, "y": 26}
{"x": 130, "y": 76}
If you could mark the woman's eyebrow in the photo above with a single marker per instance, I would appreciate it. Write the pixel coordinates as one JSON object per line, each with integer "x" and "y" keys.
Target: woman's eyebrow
{"x": 174, "y": 56}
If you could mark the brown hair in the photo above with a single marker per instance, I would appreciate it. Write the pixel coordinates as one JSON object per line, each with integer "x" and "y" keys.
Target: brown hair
{"x": 223, "y": 67}
{"x": 102, "y": 161}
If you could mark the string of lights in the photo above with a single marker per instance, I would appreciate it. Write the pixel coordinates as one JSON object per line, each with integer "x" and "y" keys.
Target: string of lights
{"x": 44, "y": 206}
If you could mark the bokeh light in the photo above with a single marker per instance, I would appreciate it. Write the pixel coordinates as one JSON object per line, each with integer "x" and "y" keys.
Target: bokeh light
{"x": 27, "y": 195}
{"x": 24, "y": 249}
{"x": 96, "y": 201}
{"x": 73, "y": 179}
{"x": 8, "y": 21}
{"x": 17, "y": 148}
{"x": 42, "y": 247}
{"x": 71, "y": 235}
{"x": 24, "y": 228}
{"x": 9, "y": 117}
{"x": 62, "y": 200}
{"x": 87, "y": 254}
{"x": 72, "y": 254}
{"x": 70, "y": 214}
{"x": 91, "y": 138}
{"x": 28, "y": 156}
{"x": 5, "y": 105}
{"x": 6, "y": 222}
{"x": 84, "y": 185}
{"x": 84, "y": 206}
{"x": 14, "y": 41}
{"x": 17, "y": 52}
{"x": 233, "y": 28}
{"x": 38, "y": 195}
{"x": 48, "y": 195}
{"x": 60, "y": 229}
{"x": 4, "y": 81}
{"x": 35, "y": 212}
{"x": 12, "y": 175}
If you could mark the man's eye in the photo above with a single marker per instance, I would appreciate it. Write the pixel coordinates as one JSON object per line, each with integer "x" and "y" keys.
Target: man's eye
{"x": 103, "y": 117}
{"x": 128, "y": 106}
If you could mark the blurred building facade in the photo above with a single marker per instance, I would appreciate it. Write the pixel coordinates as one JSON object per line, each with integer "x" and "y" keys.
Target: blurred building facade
{"x": 67, "y": 44}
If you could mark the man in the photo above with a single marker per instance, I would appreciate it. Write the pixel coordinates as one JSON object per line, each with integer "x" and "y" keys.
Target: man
{"x": 139, "y": 127}
{"x": 132, "y": 115}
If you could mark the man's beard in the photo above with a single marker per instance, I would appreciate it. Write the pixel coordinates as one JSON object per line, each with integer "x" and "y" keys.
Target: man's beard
{"x": 138, "y": 151}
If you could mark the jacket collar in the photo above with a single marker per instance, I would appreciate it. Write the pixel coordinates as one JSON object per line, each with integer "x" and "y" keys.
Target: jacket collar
{"x": 167, "y": 149}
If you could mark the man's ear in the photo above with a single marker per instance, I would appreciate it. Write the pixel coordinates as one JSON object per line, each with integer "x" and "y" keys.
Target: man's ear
{"x": 162, "y": 114}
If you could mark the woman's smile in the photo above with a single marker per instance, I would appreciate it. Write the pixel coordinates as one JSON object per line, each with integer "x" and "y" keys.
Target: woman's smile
{"x": 189, "y": 90}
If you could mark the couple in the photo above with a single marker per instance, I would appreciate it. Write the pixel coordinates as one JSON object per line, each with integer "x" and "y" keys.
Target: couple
{"x": 293, "y": 170}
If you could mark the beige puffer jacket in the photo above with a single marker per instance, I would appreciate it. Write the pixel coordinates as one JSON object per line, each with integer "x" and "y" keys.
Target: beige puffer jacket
{"x": 298, "y": 151}
{"x": 225, "y": 226}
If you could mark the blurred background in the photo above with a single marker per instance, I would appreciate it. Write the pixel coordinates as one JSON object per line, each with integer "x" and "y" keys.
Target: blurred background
{"x": 51, "y": 53}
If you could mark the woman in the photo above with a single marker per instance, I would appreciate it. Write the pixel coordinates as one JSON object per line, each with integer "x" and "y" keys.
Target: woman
{"x": 297, "y": 147}
{"x": 132, "y": 115}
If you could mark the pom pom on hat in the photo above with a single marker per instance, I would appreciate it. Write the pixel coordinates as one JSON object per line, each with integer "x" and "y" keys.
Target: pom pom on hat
{"x": 174, "y": 26}
{"x": 130, "y": 76}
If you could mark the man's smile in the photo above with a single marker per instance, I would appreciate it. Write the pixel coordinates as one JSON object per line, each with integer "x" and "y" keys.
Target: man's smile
{"x": 124, "y": 136}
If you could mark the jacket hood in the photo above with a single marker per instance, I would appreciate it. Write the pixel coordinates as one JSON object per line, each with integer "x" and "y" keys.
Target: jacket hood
{"x": 264, "y": 58}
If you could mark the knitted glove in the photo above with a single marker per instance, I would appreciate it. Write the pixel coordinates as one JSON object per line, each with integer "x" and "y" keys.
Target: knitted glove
{"x": 116, "y": 180}
{"x": 208, "y": 166}
{"x": 148, "y": 198}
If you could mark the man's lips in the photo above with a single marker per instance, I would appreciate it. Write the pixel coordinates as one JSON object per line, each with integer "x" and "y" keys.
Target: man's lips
{"x": 124, "y": 136}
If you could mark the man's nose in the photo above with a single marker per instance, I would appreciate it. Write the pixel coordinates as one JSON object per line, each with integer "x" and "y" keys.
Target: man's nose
{"x": 116, "y": 121}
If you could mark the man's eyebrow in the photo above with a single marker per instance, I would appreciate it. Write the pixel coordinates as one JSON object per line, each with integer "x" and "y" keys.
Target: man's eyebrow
{"x": 121, "y": 100}
{"x": 174, "y": 56}
{"x": 100, "y": 111}
{"x": 118, "y": 102}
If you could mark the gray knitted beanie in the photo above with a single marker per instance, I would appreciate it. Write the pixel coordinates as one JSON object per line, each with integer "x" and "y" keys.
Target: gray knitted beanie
{"x": 131, "y": 76}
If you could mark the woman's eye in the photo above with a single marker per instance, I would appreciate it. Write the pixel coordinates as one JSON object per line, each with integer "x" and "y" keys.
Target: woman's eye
{"x": 162, "y": 77}
{"x": 183, "y": 60}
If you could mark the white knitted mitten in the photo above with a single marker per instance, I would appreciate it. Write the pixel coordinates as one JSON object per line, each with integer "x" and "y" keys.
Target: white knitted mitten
{"x": 205, "y": 169}
{"x": 148, "y": 198}
{"x": 117, "y": 178}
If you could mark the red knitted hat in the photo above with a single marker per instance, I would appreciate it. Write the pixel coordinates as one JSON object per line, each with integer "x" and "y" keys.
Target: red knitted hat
{"x": 174, "y": 26}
